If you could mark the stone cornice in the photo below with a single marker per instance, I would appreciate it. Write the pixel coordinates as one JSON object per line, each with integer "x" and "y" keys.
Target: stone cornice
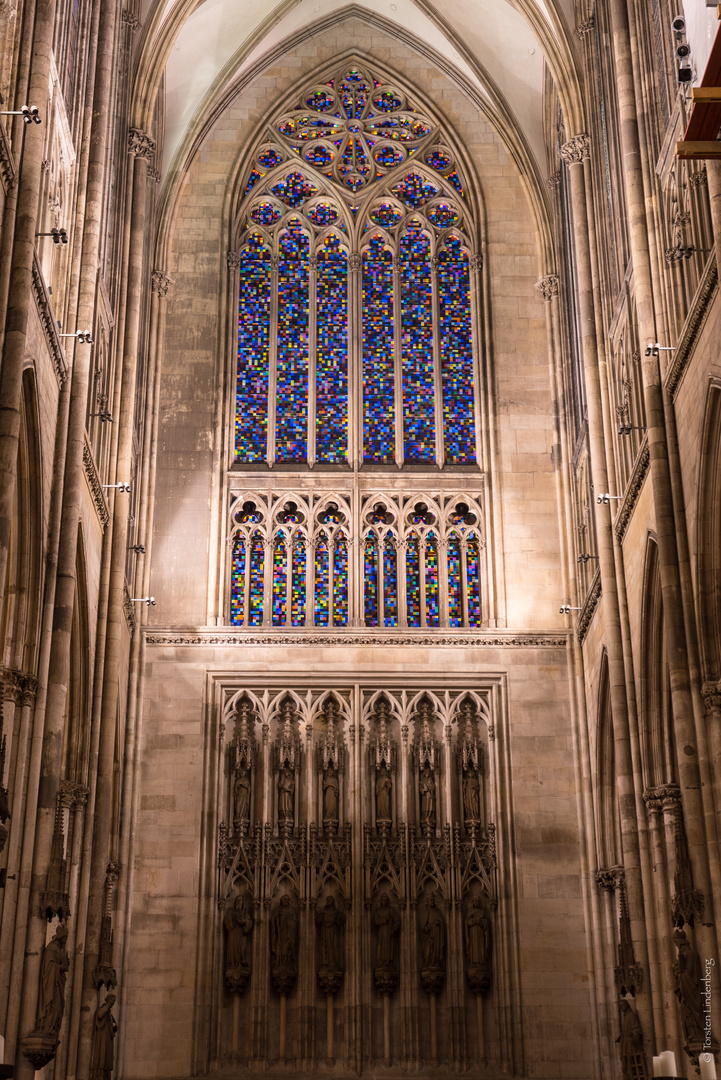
{"x": 7, "y": 162}
{"x": 589, "y": 607}
{"x": 633, "y": 490}
{"x": 96, "y": 488}
{"x": 47, "y": 318}
{"x": 356, "y": 637}
{"x": 695, "y": 321}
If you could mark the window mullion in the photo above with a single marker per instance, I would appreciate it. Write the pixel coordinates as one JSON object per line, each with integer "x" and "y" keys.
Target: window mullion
{"x": 437, "y": 378}
{"x": 312, "y": 353}
{"x": 273, "y": 356}
{"x": 398, "y": 358}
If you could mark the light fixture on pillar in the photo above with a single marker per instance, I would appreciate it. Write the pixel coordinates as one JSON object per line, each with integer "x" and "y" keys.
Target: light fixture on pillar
{"x": 139, "y": 549}
{"x": 566, "y": 609}
{"x": 59, "y": 235}
{"x": 84, "y": 337}
{"x": 104, "y": 417}
{"x": 147, "y": 600}
{"x": 122, "y": 486}
{"x": 29, "y": 113}
{"x": 626, "y": 429}
{"x": 605, "y": 498}
{"x": 584, "y": 557}
{"x": 653, "y": 348}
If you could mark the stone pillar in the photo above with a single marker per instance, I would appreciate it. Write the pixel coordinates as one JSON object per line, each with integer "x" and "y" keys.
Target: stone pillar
{"x": 713, "y": 172}
{"x": 711, "y": 693}
{"x": 574, "y": 153}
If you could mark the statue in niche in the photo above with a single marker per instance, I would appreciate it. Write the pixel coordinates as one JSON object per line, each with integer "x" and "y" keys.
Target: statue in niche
{"x": 471, "y": 796}
{"x": 687, "y": 980}
{"x": 428, "y": 798}
{"x": 102, "y": 1051}
{"x": 387, "y": 922}
{"x": 238, "y": 923}
{"x": 384, "y": 785}
{"x": 330, "y": 921}
{"x": 284, "y": 945}
{"x": 286, "y": 793}
{"x": 633, "y": 1062}
{"x": 478, "y": 947}
{"x": 53, "y": 976}
{"x": 433, "y": 947}
{"x": 241, "y": 796}
{"x": 330, "y": 794}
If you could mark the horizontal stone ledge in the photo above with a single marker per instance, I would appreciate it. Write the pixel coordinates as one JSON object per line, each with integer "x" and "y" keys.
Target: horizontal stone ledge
{"x": 314, "y": 639}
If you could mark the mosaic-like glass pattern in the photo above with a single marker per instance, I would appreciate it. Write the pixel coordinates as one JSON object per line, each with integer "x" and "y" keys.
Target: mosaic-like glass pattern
{"x": 269, "y": 158}
{"x": 237, "y": 583}
{"x": 320, "y": 155}
{"x": 432, "y": 602}
{"x": 454, "y": 308}
{"x": 413, "y": 582}
{"x": 388, "y": 156}
{"x": 332, "y": 352}
{"x": 323, "y": 213}
{"x": 386, "y": 214}
{"x": 417, "y": 346}
{"x": 414, "y": 190}
{"x": 294, "y": 189}
{"x": 390, "y": 584}
{"x": 292, "y": 370}
{"x": 265, "y": 213}
{"x": 253, "y": 179}
{"x": 340, "y": 583}
{"x": 473, "y": 578}
{"x": 378, "y": 379}
{"x": 251, "y": 412}
{"x": 298, "y": 585}
{"x": 320, "y": 100}
{"x": 443, "y": 215}
{"x": 455, "y": 583}
{"x": 257, "y": 567}
{"x": 439, "y": 159}
{"x": 322, "y": 583}
{"x": 370, "y": 581}
{"x": 280, "y": 584}
{"x": 387, "y": 101}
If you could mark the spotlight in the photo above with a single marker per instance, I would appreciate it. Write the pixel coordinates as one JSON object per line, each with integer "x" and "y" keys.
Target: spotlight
{"x": 122, "y": 486}
{"x": 29, "y": 113}
{"x": 147, "y": 600}
{"x": 137, "y": 548}
{"x": 59, "y": 235}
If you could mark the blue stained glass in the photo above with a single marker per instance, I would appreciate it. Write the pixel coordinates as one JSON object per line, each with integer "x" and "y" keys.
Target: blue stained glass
{"x": 417, "y": 346}
{"x": 237, "y": 583}
{"x": 253, "y": 179}
{"x": 387, "y": 101}
{"x": 455, "y": 585}
{"x": 320, "y": 100}
{"x": 323, "y": 213}
{"x": 280, "y": 571}
{"x": 251, "y": 412}
{"x": 292, "y": 377}
{"x": 386, "y": 214}
{"x": 439, "y": 159}
{"x": 456, "y": 181}
{"x": 390, "y": 584}
{"x": 322, "y": 590}
{"x": 456, "y": 354}
{"x": 370, "y": 578}
{"x": 414, "y": 190}
{"x": 269, "y": 158}
{"x": 378, "y": 403}
{"x": 340, "y": 583}
{"x": 257, "y": 566}
{"x": 297, "y": 599}
{"x": 413, "y": 582}
{"x": 332, "y": 353}
{"x": 294, "y": 189}
{"x": 473, "y": 583}
{"x": 432, "y": 606}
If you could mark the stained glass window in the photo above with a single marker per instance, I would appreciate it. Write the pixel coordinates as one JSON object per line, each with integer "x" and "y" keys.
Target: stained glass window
{"x": 378, "y": 347}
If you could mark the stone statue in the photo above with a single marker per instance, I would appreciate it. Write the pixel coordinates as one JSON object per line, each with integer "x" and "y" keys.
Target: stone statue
{"x": 428, "y": 797}
{"x": 633, "y": 1064}
{"x": 330, "y": 794}
{"x": 238, "y": 923}
{"x": 433, "y": 947}
{"x": 329, "y": 921}
{"x": 283, "y": 945}
{"x": 53, "y": 976}
{"x": 471, "y": 796}
{"x": 241, "y": 796}
{"x": 286, "y": 791}
{"x": 687, "y": 980}
{"x": 383, "y": 795}
{"x": 102, "y": 1051}
{"x": 478, "y": 947}
{"x": 387, "y": 923}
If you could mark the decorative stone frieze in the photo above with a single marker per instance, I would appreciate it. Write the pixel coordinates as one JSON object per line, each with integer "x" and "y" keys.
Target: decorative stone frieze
{"x": 96, "y": 488}
{"x": 48, "y": 321}
{"x": 695, "y": 322}
{"x": 589, "y": 607}
{"x": 633, "y": 490}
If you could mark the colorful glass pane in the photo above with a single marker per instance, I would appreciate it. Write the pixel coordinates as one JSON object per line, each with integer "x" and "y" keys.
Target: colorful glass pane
{"x": 378, "y": 381}
{"x": 340, "y": 584}
{"x": 280, "y": 588}
{"x": 253, "y": 179}
{"x": 414, "y": 190}
{"x": 386, "y": 214}
{"x": 398, "y": 128}
{"x": 417, "y": 346}
{"x": 387, "y": 101}
{"x": 473, "y": 583}
{"x": 439, "y": 159}
{"x": 237, "y": 583}
{"x": 269, "y": 158}
{"x": 265, "y": 213}
{"x": 332, "y": 353}
{"x": 320, "y": 155}
{"x": 443, "y": 215}
{"x": 413, "y": 582}
{"x": 388, "y": 156}
{"x": 322, "y": 583}
{"x": 320, "y": 100}
{"x": 257, "y": 568}
{"x": 292, "y": 366}
{"x": 455, "y": 585}
{"x": 251, "y": 412}
{"x": 456, "y": 344}
{"x": 294, "y": 189}
{"x": 432, "y": 605}
{"x": 323, "y": 214}
{"x": 390, "y": 584}
{"x": 298, "y": 587}
{"x": 456, "y": 181}
{"x": 370, "y": 579}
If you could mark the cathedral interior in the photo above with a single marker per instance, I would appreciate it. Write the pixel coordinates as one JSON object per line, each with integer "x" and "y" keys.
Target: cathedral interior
{"x": 360, "y": 539}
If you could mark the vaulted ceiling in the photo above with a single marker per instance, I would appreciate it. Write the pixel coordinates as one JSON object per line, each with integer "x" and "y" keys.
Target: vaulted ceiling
{"x": 497, "y": 48}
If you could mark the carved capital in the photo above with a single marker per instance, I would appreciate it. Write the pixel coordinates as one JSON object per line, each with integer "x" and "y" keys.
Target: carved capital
{"x": 160, "y": 283}
{"x": 233, "y": 260}
{"x": 477, "y": 262}
{"x": 586, "y": 26}
{"x": 698, "y": 179}
{"x": 548, "y": 287}
{"x": 652, "y": 801}
{"x": 711, "y": 694}
{"x": 576, "y": 150}
{"x": 355, "y": 262}
{"x": 12, "y": 685}
{"x": 554, "y": 180}
{"x": 154, "y": 174}
{"x": 610, "y": 877}
{"x": 140, "y": 144}
{"x": 130, "y": 20}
